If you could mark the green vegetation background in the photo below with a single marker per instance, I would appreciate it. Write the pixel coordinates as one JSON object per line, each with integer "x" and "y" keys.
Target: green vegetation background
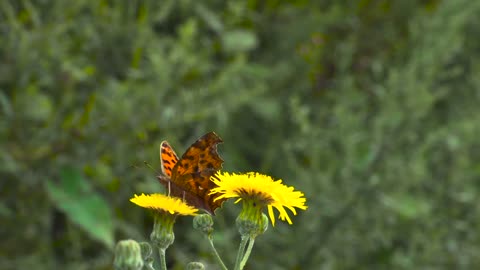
{"x": 369, "y": 107}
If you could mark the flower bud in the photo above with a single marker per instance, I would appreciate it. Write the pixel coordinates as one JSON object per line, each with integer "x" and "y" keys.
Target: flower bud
{"x": 128, "y": 256}
{"x": 204, "y": 223}
{"x": 195, "y": 266}
{"x": 146, "y": 249}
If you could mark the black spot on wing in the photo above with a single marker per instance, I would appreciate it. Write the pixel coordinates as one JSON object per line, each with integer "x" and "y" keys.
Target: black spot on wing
{"x": 188, "y": 157}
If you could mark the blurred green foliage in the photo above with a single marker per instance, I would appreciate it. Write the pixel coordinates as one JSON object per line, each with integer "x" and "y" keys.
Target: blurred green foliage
{"x": 75, "y": 197}
{"x": 370, "y": 107}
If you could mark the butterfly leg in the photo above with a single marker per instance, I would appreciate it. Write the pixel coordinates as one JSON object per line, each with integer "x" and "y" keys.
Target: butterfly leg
{"x": 168, "y": 188}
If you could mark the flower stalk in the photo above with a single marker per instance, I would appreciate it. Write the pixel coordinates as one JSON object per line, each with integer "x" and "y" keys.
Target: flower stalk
{"x": 204, "y": 223}
{"x": 240, "y": 252}
{"x": 251, "y": 241}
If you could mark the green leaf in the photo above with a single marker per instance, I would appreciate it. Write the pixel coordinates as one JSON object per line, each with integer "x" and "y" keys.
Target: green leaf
{"x": 34, "y": 105}
{"x": 407, "y": 206}
{"x": 211, "y": 18}
{"x": 5, "y": 212}
{"x": 239, "y": 41}
{"x": 82, "y": 205}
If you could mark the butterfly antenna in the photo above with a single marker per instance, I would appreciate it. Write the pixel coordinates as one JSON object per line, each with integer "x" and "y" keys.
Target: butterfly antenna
{"x": 150, "y": 166}
{"x": 135, "y": 166}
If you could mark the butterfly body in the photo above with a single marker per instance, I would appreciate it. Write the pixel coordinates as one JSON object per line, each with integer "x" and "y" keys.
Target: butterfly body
{"x": 188, "y": 177}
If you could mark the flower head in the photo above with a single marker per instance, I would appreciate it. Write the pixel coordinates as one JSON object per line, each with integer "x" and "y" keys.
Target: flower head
{"x": 263, "y": 190}
{"x": 164, "y": 203}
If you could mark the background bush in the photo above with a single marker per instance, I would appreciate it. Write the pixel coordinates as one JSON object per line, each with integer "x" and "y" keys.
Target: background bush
{"x": 370, "y": 107}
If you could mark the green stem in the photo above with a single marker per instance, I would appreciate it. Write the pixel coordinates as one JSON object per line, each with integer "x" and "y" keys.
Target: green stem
{"x": 247, "y": 254}
{"x": 219, "y": 260}
{"x": 163, "y": 262}
{"x": 240, "y": 253}
{"x": 149, "y": 266}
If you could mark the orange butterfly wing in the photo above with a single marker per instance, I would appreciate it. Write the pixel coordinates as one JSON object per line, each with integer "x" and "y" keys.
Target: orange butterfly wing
{"x": 168, "y": 158}
{"x": 189, "y": 177}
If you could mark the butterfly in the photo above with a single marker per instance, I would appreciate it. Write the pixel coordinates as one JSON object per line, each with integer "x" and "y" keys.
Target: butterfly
{"x": 188, "y": 178}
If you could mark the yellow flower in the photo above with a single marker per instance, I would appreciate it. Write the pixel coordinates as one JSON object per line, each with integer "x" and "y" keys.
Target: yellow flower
{"x": 164, "y": 203}
{"x": 261, "y": 188}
